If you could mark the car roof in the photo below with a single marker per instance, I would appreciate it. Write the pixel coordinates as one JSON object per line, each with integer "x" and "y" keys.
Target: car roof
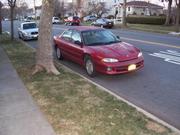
{"x": 85, "y": 28}
{"x": 27, "y": 23}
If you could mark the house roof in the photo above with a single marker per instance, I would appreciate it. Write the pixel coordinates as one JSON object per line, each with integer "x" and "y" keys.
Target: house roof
{"x": 142, "y": 4}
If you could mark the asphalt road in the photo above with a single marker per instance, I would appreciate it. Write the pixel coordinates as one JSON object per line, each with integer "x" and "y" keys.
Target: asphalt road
{"x": 156, "y": 87}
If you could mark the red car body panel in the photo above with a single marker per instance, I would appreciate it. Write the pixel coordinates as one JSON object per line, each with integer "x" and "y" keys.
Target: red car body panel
{"x": 124, "y": 52}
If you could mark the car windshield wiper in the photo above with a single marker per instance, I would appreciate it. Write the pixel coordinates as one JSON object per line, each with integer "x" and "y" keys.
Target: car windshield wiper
{"x": 98, "y": 43}
{"x": 112, "y": 42}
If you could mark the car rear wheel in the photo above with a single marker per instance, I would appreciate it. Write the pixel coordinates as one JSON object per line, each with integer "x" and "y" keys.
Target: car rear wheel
{"x": 58, "y": 54}
{"x": 89, "y": 65}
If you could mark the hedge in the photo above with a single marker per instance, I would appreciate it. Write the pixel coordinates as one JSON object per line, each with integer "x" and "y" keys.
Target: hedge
{"x": 156, "y": 20}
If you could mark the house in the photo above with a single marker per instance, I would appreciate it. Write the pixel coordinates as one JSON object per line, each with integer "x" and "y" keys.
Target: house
{"x": 138, "y": 8}
{"x": 38, "y": 11}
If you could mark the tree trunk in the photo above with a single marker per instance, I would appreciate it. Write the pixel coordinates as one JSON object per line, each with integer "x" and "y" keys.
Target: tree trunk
{"x": 44, "y": 53}
{"x": 177, "y": 17}
{"x": 124, "y": 23}
{"x": 168, "y": 16}
{"x": 12, "y": 22}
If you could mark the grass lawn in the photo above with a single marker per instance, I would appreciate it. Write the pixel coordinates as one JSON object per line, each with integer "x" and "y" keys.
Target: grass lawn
{"x": 86, "y": 23}
{"x": 74, "y": 106}
{"x": 152, "y": 28}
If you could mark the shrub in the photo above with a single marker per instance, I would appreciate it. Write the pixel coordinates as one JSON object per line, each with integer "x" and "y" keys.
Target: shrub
{"x": 156, "y": 20}
{"x": 110, "y": 17}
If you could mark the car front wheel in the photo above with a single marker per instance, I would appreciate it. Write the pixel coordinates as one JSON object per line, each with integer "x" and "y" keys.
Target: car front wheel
{"x": 90, "y": 68}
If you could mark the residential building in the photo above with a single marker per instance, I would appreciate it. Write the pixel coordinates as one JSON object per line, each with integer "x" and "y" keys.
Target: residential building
{"x": 138, "y": 8}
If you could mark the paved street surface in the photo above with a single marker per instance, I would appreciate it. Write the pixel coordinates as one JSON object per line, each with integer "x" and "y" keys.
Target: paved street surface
{"x": 155, "y": 88}
{"x": 19, "y": 115}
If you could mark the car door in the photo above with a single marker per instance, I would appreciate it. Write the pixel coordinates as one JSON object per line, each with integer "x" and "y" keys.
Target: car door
{"x": 76, "y": 47}
{"x": 64, "y": 43}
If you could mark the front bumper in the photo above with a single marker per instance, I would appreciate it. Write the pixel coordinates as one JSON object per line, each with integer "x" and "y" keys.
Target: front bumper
{"x": 119, "y": 67}
{"x": 29, "y": 37}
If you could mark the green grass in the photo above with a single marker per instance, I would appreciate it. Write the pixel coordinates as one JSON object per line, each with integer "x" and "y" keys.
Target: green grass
{"x": 74, "y": 106}
{"x": 86, "y": 23}
{"x": 152, "y": 28}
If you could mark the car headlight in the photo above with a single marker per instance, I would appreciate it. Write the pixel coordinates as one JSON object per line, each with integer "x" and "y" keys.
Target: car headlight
{"x": 109, "y": 60}
{"x": 140, "y": 54}
{"x": 25, "y": 34}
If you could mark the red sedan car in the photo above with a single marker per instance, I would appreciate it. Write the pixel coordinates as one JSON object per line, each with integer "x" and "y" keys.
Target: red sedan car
{"x": 98, "y": 50}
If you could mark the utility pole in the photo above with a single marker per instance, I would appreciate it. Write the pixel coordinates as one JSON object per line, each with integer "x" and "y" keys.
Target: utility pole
{"x": 1, "y": 5}
{"x": 35, "y": 9}
{"x": 124, "y": 23}
{"x": 12, "y": 4}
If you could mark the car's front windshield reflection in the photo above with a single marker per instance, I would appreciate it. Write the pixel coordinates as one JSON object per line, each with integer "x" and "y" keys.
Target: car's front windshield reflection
{"x": 99, "y": 37}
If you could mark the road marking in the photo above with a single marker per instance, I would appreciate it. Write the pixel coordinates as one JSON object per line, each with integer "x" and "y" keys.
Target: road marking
{"x": 152, "y": 43}
{"x": 168, "y": 56}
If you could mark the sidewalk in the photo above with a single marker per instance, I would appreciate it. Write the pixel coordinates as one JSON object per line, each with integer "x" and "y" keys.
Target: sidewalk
{"x": 19, "y": 115}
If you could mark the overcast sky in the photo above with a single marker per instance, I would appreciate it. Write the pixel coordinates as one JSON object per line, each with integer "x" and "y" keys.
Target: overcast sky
{"x": 38, "y": 2}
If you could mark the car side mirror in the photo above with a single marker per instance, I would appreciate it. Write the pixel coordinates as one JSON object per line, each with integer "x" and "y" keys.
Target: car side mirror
{"x": 78, "y": 43}
{"x": 118, "y": 37}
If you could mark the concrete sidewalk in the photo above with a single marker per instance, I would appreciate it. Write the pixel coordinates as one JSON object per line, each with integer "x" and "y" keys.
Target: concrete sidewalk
{"x": 19, "y": 115}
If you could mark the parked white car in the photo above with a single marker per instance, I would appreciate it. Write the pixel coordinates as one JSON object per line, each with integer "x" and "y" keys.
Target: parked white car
{"x": 56, "y": 20}
{"x": 28, "y": 31}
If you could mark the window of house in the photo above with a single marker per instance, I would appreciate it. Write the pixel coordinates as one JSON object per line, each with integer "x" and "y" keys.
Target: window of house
{"x": 129, "y": 8}
{"x": 144, "y": 9}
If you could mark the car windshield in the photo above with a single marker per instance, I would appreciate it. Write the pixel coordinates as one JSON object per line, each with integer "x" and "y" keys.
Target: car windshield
{"x": 29, "y": 26}
{"x": 75, "y": 18}
{"x": 56, "y": 18}
{"x": 99, "y": 37}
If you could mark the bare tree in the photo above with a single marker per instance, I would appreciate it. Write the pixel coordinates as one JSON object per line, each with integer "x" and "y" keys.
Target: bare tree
{"x": 168, "y": 16}
{"x": 124, "y": 23}
{"x": 12, "y": 4}
{"x": 97, "y": 8}
{"x": 59, "y": 8}
{"x": 44, "y": 53}
{"x": 177, "y": 15}
{"x": 1, "y": 5}
{"x": 22, "y": 9}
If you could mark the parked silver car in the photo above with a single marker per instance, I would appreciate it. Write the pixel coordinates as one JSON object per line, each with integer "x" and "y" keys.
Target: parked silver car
{"x": 28, "y": 31}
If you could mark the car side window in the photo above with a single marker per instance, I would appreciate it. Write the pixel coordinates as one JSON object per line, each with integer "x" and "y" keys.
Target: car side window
{"x": 76, "y": 37}
{"x": 67, "y": 35}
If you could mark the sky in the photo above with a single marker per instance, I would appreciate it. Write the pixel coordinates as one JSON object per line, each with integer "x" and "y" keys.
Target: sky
{"x": 38, "y": 2}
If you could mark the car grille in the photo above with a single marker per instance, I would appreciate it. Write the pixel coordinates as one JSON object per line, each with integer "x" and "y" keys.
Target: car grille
{"x": 34, "y": 33}
{"x": 125, "y": 68}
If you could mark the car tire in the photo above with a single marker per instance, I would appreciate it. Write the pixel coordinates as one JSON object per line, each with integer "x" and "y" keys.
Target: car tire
{"x": 58, "y": 53}
{"x": 89, "y": 66}
{"x": 19, "y": 36}
{"x": 23, "y": 38}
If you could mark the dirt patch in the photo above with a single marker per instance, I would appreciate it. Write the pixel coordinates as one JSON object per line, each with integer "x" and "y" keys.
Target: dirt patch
{"x": 155, "y": 127}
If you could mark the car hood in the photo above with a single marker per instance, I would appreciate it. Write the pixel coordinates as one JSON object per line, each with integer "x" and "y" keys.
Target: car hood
{"x": 121, "y": 51}
{"x": 31, "y": 30}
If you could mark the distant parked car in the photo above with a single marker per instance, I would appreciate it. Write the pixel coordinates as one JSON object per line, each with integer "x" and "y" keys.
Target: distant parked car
{"x": 98, "y": 50}
{"x": 6, "y": 19}
{"x": 28, "y": 31}
{"x": 28, "y": 19}
{"x": 89, "y": 18}
{"x": 56, "y": 20}
{"x": 103, "y": 22}
{"x": 72, "y": 20}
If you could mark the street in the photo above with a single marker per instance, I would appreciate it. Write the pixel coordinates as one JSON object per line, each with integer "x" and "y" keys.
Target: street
{"x": 156, "y": 87}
